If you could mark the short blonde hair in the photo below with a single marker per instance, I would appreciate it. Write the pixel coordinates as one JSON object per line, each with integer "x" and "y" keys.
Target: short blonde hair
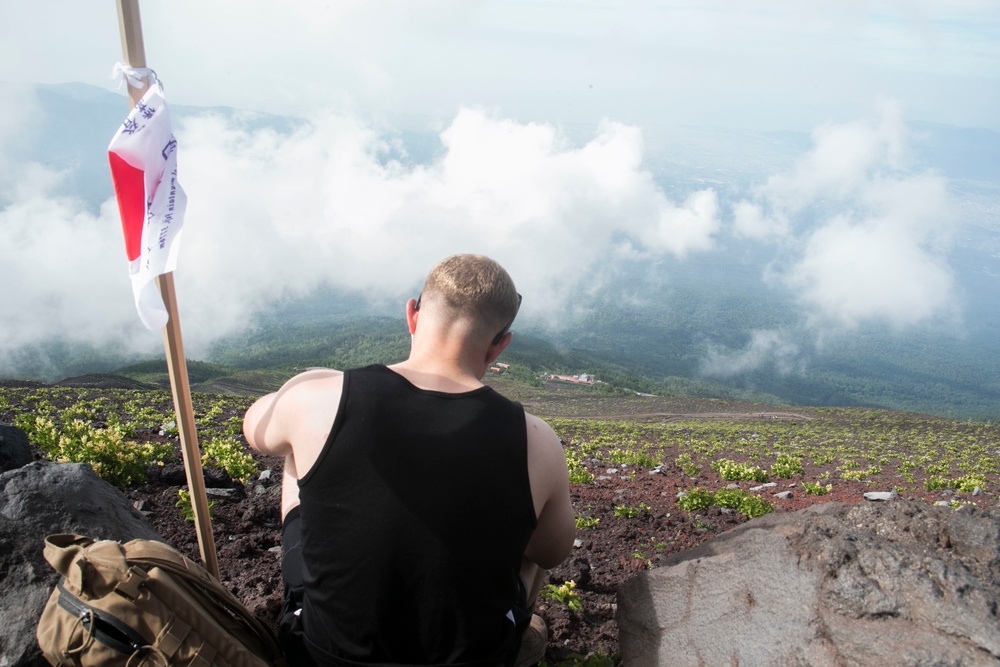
{"x": 477, "y": 287}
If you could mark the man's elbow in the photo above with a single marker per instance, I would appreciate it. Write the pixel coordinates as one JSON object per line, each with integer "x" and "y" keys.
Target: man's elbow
{"x": 250, "y": 426}
{"x": 556, "y": 548}
{"x": 555, "y": 559}
{"x": 255, "y": 422}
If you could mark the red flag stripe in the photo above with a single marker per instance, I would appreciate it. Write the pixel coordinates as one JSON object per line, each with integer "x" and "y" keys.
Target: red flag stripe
{"x": 131, "y": 194}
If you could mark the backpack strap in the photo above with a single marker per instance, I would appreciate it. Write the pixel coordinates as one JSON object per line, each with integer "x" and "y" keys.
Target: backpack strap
{"x": 150, "y": 553}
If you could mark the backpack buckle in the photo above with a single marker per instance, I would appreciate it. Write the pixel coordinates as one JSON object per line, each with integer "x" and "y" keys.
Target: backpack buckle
{"x": 129, "y": 586}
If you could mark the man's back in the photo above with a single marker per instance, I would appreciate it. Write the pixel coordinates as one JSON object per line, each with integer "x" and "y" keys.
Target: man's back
{"x": 414, "y": 519}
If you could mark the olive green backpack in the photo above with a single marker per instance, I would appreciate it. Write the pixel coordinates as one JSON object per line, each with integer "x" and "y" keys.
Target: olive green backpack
{"x": 143, "y": 603}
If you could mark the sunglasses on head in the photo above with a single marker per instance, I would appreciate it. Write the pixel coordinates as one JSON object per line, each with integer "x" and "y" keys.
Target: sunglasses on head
{"x": 500, "y": 335}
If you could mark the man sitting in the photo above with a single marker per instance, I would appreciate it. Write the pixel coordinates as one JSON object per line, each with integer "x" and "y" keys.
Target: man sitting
{"x": 421, "y": 508}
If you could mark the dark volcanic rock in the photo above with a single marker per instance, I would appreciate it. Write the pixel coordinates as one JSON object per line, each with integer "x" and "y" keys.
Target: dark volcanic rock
{"x": 37, "y": 500}
{"x": 14, "y": 449}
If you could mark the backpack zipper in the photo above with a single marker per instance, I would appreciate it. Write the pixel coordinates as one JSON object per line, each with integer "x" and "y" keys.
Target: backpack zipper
{"x": 107, "y": 629}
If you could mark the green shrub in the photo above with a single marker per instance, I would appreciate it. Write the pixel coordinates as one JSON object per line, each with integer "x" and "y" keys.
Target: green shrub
{"x": 861, "y": 475}
{"x": 817, "y": 489}
{"x": 968, "y": 483}
{"x": 965, "y": 483}
{"x": 632, "y": 457}
{"x": 787, "y": 466}
{"x": 187, "y": 507}
{"x": 730, "y": 498}
{"x": 626, "y": 512}
{"x": 233, "y": 427}
{"x": 565, "y": 594}
{"x": 578, "y": 473}
{"x": 696, "y": 499}
{"x": 118, "y": 461}
{"x": 228, "y": 454}
{"x": 935, "y": 483}
{"x": 745, "y": 503}
{"x": 731, "y": 471}
{"x": 687, "y": 465}
{"x": 754, "y": 506}
{"x": 41, "y": 431}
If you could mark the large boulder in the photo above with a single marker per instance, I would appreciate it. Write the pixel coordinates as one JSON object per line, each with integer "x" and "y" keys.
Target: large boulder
{"x": 14, "y": 449}
{"x": 37, "y": 500}
{"x": 899, "y": 583}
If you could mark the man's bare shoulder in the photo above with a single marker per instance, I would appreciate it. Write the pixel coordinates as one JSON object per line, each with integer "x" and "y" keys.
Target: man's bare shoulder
{"x": 539, "y": 432}
{"x": 315, "y": 375}
{"x": 546, "y": 458}
{"x": 277, "y": 420}
{"x": 318, "y": 387}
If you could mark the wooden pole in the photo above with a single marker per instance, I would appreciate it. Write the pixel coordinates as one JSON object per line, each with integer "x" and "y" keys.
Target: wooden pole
{"x": 134, "y": 53}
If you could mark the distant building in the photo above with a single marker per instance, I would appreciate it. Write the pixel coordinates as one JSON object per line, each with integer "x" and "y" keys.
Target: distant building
{"x": 583, "y": 378}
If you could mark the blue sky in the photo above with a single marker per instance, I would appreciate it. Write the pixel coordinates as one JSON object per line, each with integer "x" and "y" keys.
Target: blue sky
{"x": 554, "y": 119}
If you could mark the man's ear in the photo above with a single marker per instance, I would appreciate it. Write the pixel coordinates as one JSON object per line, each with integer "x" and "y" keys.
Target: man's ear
{"x": 496, "y": 348}
{"x": 411, "y": 316}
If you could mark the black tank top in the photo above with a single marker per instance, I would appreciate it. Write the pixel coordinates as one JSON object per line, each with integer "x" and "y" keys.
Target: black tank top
{"x": 414, "y": 521}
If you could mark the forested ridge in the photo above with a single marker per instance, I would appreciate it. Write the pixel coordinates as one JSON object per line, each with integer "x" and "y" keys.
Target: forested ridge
{"x": 632, "y": 358}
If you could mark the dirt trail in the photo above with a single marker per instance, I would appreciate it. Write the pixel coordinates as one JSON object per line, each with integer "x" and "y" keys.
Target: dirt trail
{"x": 667, "y": 417}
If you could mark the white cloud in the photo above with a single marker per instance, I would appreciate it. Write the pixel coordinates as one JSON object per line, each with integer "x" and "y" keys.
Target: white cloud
{"x": 749, "y": 221}
{"x": 765, "y": 347}
{"x": 872, "y": 270}
{"x": 870, "y": 234}
{"x": 271, "y": 215}
{"x": 691, "y": 226}
{"x": 62, "y": 277}
{"x": 843, "y": 159}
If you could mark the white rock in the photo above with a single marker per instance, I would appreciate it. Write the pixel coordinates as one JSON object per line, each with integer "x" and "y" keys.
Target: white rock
{"x": 881, "y": 495}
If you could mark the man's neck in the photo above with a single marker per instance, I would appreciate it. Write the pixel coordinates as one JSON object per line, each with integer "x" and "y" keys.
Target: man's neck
{"x": 437, "y": 378}
{"x": 442, "y": 368}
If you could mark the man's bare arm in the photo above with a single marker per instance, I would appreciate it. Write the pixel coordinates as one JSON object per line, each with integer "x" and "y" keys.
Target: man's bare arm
{"x": 552, "y": 540}
{"x": 260, "y": 428}
{"x": 296, "y": 419}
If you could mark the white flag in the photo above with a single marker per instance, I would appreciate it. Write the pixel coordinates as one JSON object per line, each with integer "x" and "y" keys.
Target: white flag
{"x": 143, "y": 156}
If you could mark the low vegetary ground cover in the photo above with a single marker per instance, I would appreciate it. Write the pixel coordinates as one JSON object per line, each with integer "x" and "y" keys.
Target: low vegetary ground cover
{"x": 649, "y": 477}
